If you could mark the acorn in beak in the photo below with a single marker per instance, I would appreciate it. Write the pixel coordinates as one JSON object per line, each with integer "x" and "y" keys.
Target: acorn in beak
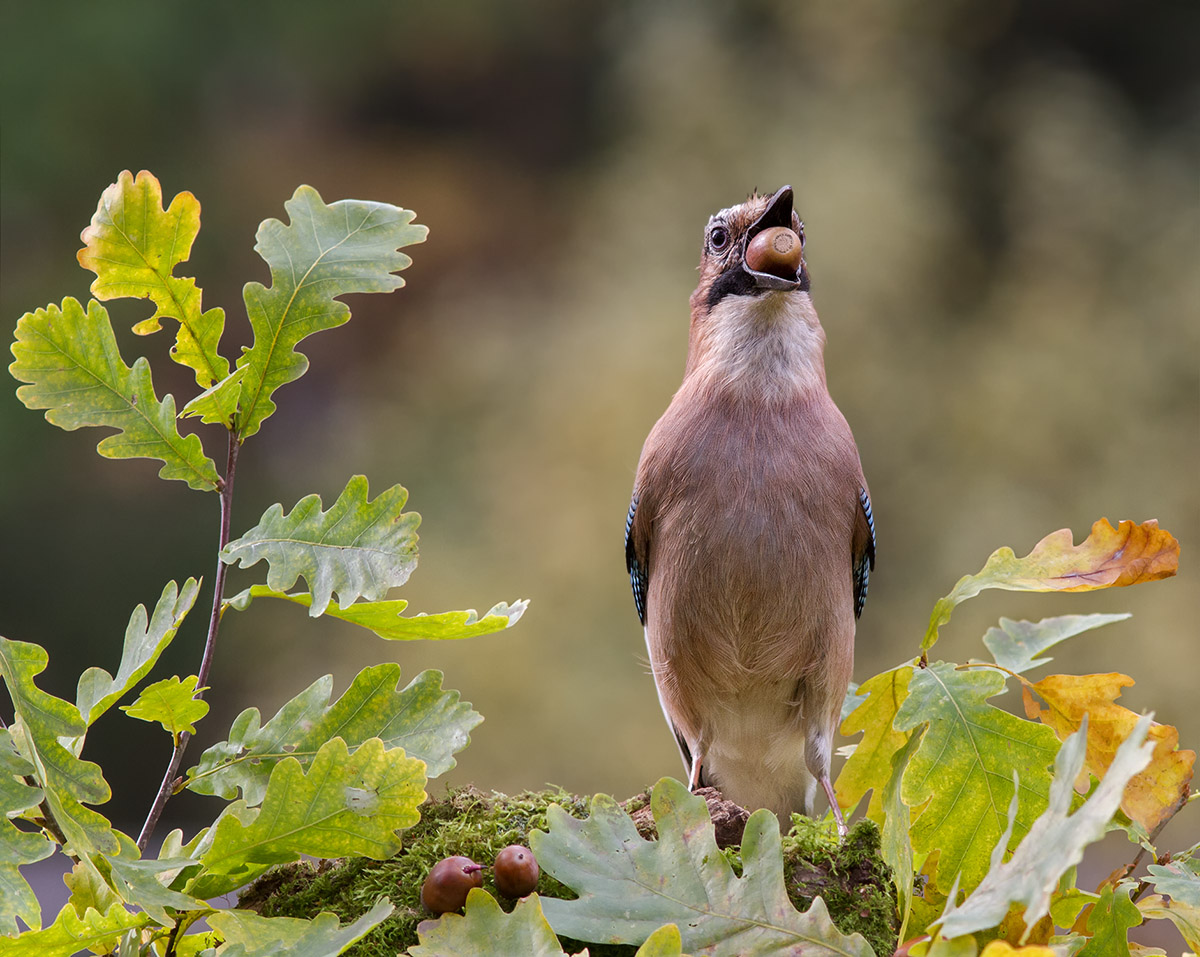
{"x": 774, "y": 251}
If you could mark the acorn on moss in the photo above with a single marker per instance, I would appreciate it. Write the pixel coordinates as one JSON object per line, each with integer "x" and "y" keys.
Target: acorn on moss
{"x": 449, "y": 881}
{"x": 516, "y": 871}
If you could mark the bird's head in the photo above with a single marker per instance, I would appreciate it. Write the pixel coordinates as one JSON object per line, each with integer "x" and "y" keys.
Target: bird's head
{"x": 751, "y": 250}
{"x": 752, "y": 319}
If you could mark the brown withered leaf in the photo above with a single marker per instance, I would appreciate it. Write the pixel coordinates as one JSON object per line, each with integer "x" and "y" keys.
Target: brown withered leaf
{"x": 1158, "y": 791}
{"x": 1108, "y": 558}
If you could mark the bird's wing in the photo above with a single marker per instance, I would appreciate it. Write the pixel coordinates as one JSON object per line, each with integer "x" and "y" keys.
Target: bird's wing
{"x": 635, "y": 558}
{"x": 864, "y": 549}
{"x": 637, "y": 550}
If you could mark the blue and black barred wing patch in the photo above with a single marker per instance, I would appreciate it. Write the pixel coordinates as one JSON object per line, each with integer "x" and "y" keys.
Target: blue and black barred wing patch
{"x": 864, "y": 558}
{"x": 638, "y": 576}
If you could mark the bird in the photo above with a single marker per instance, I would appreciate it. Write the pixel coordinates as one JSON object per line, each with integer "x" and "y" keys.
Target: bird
{"x": 750, "y": 538}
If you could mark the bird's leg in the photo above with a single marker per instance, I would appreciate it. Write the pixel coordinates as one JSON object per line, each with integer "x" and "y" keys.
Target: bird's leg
{"x": 837, "y": 811}
{"x": 695, "y": 771}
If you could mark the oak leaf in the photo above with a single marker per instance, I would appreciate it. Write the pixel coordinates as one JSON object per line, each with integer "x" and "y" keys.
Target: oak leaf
{"x": 356, "y": 547}
{"x": 486, "y": 931}
{"x": 1002, "y": 948}
{"x": 629, "y": 887}
{"x": 963, "y": 771}
{"x": 425, "y": 720}
{"x": 1108, "y": 558}
{"x": 323, "y": 253}
{"x": 1109, "y": 923}
{"x": 1157, "y": 792}
{"x": 72, "y": 368}
{"x": 133, "y": 245}
{"x": 1055, "y": 841}
{"x": 870, "y": 766}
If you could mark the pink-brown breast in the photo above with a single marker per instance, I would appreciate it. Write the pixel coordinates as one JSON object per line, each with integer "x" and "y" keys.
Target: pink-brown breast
{"x": 750, "y": 551}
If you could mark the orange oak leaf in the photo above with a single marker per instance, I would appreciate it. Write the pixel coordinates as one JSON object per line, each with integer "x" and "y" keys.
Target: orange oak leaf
{"x": 1157, "y": 792}
{"x": 1108, "y": 558}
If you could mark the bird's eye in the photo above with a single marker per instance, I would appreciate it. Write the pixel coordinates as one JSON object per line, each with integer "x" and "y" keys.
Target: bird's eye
{"x": 718, "y": 238}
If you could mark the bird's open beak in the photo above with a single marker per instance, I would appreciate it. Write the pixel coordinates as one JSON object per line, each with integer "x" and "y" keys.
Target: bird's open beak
{"x": 776, "y": 259}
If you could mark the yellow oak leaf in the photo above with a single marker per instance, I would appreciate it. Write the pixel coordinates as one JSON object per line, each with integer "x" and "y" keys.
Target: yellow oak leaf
{"x": 1158, "y": 791}
{"x": 870, "y": 766}
{"x": 1002, "y": 948}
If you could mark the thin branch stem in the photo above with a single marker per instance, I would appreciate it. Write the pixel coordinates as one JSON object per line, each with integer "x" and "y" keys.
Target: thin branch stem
{"x": 167, "y": 788}
{"x": 48, "y": 821}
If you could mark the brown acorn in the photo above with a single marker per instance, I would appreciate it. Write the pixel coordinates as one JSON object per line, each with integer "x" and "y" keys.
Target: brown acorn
{"x": 516, "y": 871}
{"x": 777, "y": 251}
{"x": 449, "y": 881}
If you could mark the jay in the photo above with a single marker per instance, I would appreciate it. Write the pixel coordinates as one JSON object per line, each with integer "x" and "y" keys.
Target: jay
{"x": 750, "y": 540}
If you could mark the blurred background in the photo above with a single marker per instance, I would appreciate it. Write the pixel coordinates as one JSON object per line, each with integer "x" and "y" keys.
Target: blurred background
{"x": 1001, "y": 204}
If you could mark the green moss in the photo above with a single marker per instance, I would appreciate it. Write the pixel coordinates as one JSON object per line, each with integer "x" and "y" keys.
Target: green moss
{"x": 849, "y": 875}
{"x": 465, "y": 821}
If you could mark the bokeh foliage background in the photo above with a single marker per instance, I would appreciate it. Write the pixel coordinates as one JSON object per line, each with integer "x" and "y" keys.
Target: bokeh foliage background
{"x": 1001, "y": 203}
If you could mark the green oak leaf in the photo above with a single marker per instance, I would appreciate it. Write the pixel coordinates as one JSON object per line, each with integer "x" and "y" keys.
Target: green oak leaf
{"x": 17, "y": 898}
{"x": 895, "y": 845}
{"x": 628, "y": 887}
{"x": 89, "y": 888}
{"x": 1066, "y": 904}
{"x": 1015, "y": 645}
{"x": 71, "y": 934}
{"x": 133, "y": 245}
{"x": 1179, "y": 878}
{"x": 172, "y": 703}
{"x": 962, "y": 774}
{"x": 217, "y": 404}
{"x": 18, "y": 847}
{"x": 16, "y": 795}
{"x": 1055, "y": 841}
{"x": 1108, "y": 558}
{"x": 326, "y": 251}
{"x": 246, "y": 934}
{"x": 203, "y": 943}
{"x": 356, "y": 548}
{"x": 1178, "y": 899}
{"x": 347, "y": 804}
{"x": 484, "y": 930}
{"x": 70, "y": 361}
{"x": 1109, "y": 924}
{"x": 144, "y": 884}
{"x": 385, "y": 618}
{"x": 427, "y": 722}
{"x": 41, "y": 721}
{"x": 145, "y": 639}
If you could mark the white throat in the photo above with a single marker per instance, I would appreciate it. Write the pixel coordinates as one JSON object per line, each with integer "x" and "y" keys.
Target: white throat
{"x": 769, "y": 346}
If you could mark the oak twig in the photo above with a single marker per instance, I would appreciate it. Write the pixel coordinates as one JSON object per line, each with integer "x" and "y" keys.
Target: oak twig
{"x": 167, "y": 788}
